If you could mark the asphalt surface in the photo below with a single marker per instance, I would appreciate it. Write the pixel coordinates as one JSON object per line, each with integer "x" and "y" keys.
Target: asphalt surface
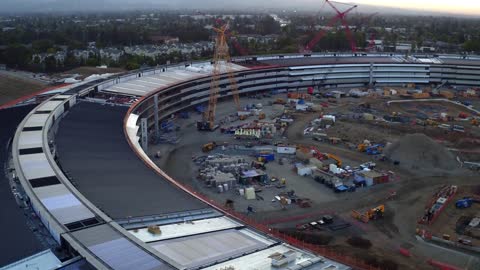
{"x": 18, "y": 240}
{"x": 94, "y": 152}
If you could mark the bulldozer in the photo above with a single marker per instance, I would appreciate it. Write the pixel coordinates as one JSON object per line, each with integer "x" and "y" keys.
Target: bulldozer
{"x": 370, "y": 214}
{"x": 209, "y": 147}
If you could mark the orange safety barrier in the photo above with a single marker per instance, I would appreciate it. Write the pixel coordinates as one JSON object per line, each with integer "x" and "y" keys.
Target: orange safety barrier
{"x": 442, "y": 266}
{"x": 405, "y": 252}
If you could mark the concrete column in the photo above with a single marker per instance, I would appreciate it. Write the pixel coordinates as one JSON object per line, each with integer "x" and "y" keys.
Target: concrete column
{"x": 144, "y": 134}
{"x": 155, "y": 113}
{"x": 370, "y": 82}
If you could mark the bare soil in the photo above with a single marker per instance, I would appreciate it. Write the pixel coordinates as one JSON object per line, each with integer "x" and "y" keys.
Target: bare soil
{"x": 13, "y": 88}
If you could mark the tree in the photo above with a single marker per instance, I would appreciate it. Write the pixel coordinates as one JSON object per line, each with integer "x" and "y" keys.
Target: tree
{"x": 92, "y": 61}
{"x": 17, "y": 56}
{"x": 472, "y": 46}
{"x": 50, "y": 64}
{"x": 42, "y": 45}
{"x": 131, "y": 65}
{"x": 71, "y": 61}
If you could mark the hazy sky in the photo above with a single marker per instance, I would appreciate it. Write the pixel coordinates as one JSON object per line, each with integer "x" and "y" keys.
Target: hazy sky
{"x": 467, "y": 7}
{"x": 471, "y": 7}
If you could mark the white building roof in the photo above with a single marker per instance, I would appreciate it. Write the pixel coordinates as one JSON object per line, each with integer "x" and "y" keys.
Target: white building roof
{"x": 142, "y": 86}
{"x": 35, "y": 166}
{"x": 186, "y": 229}
{"x": 43, "y": 260}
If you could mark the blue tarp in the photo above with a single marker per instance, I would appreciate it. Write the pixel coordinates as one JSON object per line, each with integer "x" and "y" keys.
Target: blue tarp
{"x": 268, "y": 157}
{"x": 341, "y": 188}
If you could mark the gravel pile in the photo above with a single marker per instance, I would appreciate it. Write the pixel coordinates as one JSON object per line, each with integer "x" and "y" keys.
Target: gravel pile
{"x": 421, "y": 154}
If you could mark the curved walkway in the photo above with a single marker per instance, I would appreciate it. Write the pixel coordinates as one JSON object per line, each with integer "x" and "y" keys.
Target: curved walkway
{"x": 93, "y": 150}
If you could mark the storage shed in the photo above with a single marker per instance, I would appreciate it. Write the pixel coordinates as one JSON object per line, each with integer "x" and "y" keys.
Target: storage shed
{"x": 370, "y": 178}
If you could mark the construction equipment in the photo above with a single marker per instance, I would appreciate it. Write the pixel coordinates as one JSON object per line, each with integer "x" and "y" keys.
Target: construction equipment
{"x": 340, "y": 16}
{"x": 462, "y": 115}
{"x": 337, "y": 159}
{"x": 258, "y": 165}
{"x": 280, "y": 101}
{"x": 474, "y": 122}
{"x": 209, "y": 147}
{"x": 334, "y": 140}
{"x": 154, "y": 229}
{"x": 370, "y": 214}
{"x": 317, "y": 154}
{"x": 431, "y": 122}
{"x": 362, "y": 147}
{"x": 375, "y": 149}
{"x": 420, "y": 122}
{"x": 467, "y": 202}
{"x": 221, "y": 59}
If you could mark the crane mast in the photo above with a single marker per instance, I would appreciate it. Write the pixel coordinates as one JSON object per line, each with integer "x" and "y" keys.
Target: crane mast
{"x": 339, "y": 16}
{"x": 221, "y": 58}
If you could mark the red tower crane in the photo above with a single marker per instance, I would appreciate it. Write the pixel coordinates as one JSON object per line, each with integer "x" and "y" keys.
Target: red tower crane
{"x": 340, "y": 16}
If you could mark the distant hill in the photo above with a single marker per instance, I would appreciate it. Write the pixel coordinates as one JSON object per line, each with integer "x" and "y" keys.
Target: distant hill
{"x": 14, "y": 6}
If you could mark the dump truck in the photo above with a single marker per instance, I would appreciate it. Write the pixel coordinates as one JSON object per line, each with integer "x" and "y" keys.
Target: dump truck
{"x": 370, "y": 214}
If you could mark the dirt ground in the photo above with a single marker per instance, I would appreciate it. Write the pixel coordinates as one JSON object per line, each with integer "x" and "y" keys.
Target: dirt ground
{"x": 12, "y": 88}
{"x": 396, "y": 230}
{"x": 429, "y": 109}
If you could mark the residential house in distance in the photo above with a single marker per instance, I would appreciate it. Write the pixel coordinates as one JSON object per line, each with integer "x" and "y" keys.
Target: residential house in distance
{"x": 84, "y": 54}
{"x": 59, "y": 56}
{"x": 113, "y": 54}
{"x": 259, "y": 38}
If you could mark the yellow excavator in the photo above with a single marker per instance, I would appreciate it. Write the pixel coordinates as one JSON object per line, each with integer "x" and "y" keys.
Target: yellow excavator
{"x": 370, "y": 214}
{"x": 337, "y": 159}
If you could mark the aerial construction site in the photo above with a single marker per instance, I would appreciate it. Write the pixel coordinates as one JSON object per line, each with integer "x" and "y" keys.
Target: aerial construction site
{"x": 334, "y": 161}
{"x": 380, "y": 172}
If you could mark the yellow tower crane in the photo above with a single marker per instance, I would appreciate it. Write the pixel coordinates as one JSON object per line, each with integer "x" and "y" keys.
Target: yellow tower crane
{"x": 221, "y": 59}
